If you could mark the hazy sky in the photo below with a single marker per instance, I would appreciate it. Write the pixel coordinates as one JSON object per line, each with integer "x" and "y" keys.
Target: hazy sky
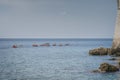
{"x": 57, "y": 18}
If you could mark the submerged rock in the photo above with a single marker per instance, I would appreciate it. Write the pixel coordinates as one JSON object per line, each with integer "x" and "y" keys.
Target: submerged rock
{"x": 99, "y": 51}
{"x": 105, "y": 67}
{"x": 96, "y": 71}
{"x": 112, "y": 59}
{"x": 60, "y": 45}
{"x": 67, "y": 44}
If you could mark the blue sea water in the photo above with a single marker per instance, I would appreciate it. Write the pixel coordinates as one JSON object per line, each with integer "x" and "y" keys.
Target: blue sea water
{"x": 54, "y": 62}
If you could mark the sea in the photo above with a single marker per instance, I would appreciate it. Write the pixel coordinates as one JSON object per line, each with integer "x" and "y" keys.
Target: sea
{"x": 65, "y": 62}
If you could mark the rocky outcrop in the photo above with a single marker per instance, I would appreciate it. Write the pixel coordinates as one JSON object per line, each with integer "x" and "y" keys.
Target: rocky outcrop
{"x": 115, "y": 52}
{"x": 99, "y": 51}
{"x": 35, "y": 45}
{"x": 105, "y": 51}
{"x": 14, "y": 46}
{"x": 66, "y": 44}
{"x": 105, "y": 67}
{"x": 60, "y": 45}
{"x": 45, "y": 44}
{"x": 54, "y": 44}
{"x": 17, "y": 46}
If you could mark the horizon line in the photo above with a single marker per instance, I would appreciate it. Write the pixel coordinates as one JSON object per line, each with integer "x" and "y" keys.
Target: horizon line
{"x": 56, "y": 38}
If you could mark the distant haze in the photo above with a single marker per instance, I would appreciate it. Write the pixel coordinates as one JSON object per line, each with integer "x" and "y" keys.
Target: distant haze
{"x": 57, "y": 18}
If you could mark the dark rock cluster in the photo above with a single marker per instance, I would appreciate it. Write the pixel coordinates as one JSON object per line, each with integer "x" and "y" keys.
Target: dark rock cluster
{"x": 45, "y": 44}
{"x": 105, "y": 51}
{"x": 100, "y": 51}
{"x": 105, "y": 67}
{"x": 41, "y": 45}
{"x": 115, "y": 52}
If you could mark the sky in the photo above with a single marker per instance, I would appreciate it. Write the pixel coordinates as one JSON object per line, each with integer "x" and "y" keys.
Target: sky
{"x": 57, "y": 18}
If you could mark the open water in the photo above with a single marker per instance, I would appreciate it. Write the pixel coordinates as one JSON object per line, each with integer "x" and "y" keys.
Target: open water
{"x": 70, "y": 62}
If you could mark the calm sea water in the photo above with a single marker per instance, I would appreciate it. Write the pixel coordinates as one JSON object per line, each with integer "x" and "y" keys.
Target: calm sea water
{"x": 53, "y": 63}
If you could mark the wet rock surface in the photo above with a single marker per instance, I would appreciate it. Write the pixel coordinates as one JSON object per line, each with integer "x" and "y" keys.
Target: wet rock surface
{"x": 115, "y": 52}
{"x": 105, "y": 51}
{"x": 45, "y": 44}
{"x": 99, "y": 51}
{"x": 105, "y": 67}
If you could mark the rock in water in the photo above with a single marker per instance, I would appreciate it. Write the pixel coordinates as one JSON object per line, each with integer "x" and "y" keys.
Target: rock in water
{"x": 14, "y": 46}
{"x": 105, "y": 67}
{"x": 45, "y": 44}
{"x": 105, "y": 51}
{"x": 96, "y": 71}
{"x": 99, "y": 51}
{"x": 119, "y": 64}
{"x": 112, "y": 59}
{"x": 115, "y": 52}
{"x": 35, "y": 45}
{"x": 54, "y": 44}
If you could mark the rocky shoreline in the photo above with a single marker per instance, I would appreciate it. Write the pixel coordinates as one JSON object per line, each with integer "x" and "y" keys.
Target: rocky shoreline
{"x": 105, "y": 67}
{"x": 105, "y": 51}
